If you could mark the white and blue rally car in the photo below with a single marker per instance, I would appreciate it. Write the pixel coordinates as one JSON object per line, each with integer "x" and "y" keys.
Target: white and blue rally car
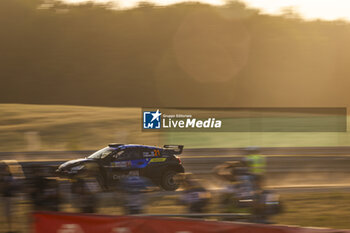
{"x": 110, "y": 164}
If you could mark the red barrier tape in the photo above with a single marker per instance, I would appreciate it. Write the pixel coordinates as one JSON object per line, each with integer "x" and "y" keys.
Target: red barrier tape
{"x": 47, "y": 222}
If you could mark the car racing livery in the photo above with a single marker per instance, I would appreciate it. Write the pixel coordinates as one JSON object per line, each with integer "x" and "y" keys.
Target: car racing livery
{"x": 110, "y": 164}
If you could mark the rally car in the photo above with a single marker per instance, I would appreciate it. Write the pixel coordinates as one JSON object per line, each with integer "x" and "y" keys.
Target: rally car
{"x": 116, "y": 161}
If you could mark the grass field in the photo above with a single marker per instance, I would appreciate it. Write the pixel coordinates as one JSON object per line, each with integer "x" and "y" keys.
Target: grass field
{"x": 331, "y": 210}
{"x": 68, "y": 127}
{"x": 54, "y": 127}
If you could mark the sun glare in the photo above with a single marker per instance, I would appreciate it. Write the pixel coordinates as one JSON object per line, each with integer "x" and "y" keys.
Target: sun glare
{"x": 309, "y": 9}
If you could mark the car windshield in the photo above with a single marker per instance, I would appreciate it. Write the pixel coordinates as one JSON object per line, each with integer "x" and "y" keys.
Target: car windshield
{"x": 101, "y": 154}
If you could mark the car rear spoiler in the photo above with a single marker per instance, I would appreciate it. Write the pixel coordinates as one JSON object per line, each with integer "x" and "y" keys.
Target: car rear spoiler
{"x": 176, "y": 149}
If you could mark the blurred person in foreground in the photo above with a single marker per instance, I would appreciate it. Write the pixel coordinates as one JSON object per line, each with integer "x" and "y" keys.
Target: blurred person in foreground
{"x": 194, "y": 196}
{"x": 84, "y": 191}
{"x": 239, "y": 192}
{"x": 7, "y": 184}
{"x": 257, "y": 164}
{"x": 44, "y": 191}
{"x": 242, "y": 194}
{"x": 134, "y": 189}
{"x": 51, "y": 196}
{"x": 37, "y": 184}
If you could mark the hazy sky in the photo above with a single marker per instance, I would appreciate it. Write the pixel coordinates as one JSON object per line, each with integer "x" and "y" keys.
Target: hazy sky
{"x": 310, "y": 9}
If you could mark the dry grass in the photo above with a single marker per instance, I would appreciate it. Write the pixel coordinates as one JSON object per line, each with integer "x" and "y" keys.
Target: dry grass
{"x": 83, "y": 128}
{"x": 70, "y": 127}
{"x": 331, "y": 210}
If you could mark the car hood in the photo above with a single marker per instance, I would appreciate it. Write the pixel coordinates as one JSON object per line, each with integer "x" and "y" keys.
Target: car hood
{"x": 72, "y": 163}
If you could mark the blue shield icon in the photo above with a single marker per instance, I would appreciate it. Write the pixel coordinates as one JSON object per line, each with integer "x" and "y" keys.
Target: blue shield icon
{"x": 151, "y": 120}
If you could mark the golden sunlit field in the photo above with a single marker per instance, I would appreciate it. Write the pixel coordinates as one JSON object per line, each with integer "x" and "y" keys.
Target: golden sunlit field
{"x": 68, "y": 127}
{"x": 329, "y": 210}
{"x": 57, "y": 127}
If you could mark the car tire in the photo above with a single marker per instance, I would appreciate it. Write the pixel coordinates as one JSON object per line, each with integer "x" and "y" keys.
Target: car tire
{"x": 168, "y": 183}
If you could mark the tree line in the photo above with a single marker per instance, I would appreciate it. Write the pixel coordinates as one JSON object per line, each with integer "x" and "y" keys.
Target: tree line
{"x": 181, "y": 55}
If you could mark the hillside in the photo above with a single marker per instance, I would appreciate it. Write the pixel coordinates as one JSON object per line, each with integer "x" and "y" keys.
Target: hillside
{"x": 55, "y": 127}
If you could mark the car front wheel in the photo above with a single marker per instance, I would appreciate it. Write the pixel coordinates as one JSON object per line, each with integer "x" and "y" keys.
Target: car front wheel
{"x": 168, "y": 182}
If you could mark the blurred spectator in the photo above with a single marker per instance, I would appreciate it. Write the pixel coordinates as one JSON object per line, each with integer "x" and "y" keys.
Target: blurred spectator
{"x": 240, "y": 192}
{"x": 84, "y": 194}
{"x": 226, "y": 171}
{"x": 43, "y": 191}
{"x": 244, "y": 194}
{"x": 195, "y": 196}
{"x": 257, "y": 163}
{"x": 51, "y": 198}
{"x": 134, "y": 188}
{"x": 37, "y": 185}
{"x": 8, "y": 192}
{"x": 267, "y": 203}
